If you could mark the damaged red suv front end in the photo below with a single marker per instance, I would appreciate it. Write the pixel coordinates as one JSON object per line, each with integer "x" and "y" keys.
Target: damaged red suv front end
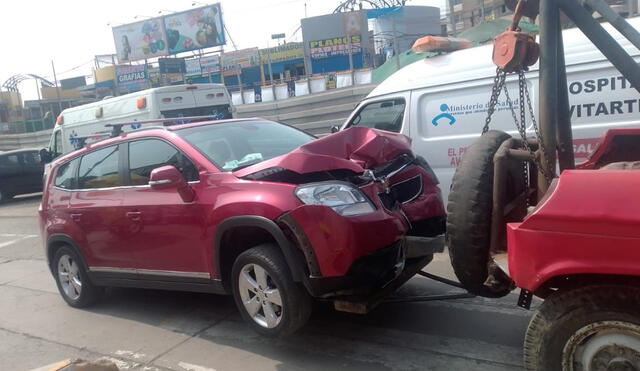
{"x": 399, "y": 224}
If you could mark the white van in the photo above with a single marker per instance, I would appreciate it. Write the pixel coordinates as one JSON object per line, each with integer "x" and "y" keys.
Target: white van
{"x": 84, "y": 124}
{"x": 441, "y": 102}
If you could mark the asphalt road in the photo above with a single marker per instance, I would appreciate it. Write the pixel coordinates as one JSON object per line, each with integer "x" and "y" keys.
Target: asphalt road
{"x": 150, "y": 330}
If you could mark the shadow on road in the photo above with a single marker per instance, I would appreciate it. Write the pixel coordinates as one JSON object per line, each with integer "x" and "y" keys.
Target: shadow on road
{"x": 381, "y": 340}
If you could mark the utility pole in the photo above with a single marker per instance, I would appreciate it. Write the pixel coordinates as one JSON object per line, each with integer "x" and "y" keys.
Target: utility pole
{"x": 55, "y": 78}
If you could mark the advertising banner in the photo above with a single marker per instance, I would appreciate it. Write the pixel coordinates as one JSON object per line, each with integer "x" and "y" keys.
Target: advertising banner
{"x": 335, "y": 46}
{"x": 192, "y": 67}
{"x": 194, "y": 29}
{"x": 132, "y": 78}
{"x": 234, "y": 61}
{"x": 282, "y": 53}
{"x": 210, "y": 64}
{"x": 171, "y": 65}
{"x": 140, "y": 40}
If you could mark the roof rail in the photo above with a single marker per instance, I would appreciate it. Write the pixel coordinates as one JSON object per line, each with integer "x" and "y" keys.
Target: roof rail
{"x": 117, "y": 128}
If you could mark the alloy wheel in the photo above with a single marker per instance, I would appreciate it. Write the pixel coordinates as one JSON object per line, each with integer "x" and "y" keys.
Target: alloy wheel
{"x": 69, "y": 276}
{"x": 260, "y": 296}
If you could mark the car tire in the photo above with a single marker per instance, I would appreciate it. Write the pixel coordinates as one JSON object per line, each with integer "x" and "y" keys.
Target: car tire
{"x": 469, "y": 216}
{"x": 72, "y": 280}
{"x": 585, "y": 325}
{"x": 266, "y": 295}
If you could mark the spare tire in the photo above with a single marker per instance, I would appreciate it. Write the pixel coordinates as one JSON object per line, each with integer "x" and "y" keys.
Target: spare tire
{"x": 469, "y": 216}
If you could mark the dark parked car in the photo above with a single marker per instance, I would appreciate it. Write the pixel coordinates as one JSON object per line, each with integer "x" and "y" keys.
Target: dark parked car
{"x": 249, "y": 207}
{"x": 20, "y": 173}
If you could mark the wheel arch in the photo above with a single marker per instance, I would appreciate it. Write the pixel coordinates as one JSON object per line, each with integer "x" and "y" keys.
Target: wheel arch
{"x": 59, "y": 240}
{"x": 237, "y": 234}
{"x": 567, "y": 282}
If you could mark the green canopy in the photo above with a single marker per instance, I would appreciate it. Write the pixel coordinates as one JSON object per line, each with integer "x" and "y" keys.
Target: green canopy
{"x": 480, "y": 34}
{"x": 391, "y": 65}
{"x": 488, "y": 30}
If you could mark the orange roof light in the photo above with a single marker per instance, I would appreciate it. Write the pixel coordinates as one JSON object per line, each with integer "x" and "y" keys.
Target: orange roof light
{"x": 440, "y": 44}
{"x": 141, "y": 103}
{"x": 60, "y": 120}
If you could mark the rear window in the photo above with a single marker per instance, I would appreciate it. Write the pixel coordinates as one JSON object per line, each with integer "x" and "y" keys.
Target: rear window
{"x": 234, "y": 145}
{"x": 99, "y": 169}
{"x": 66, "y": 175}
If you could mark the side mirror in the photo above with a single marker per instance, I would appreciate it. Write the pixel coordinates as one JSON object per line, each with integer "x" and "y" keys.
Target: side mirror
{"x": 45, "y": 156}
{"x": 167, "y": 177}
{"x": 335, "y": 129}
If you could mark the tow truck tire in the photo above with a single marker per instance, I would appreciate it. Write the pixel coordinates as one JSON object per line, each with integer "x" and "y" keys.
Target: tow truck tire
{"x": 293, "y": 306}
{"x": 469, "y": 216}
{"x": 593, "y": 320}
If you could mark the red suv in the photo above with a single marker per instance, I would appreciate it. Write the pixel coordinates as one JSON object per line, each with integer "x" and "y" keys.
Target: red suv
{"x": 249, "y": 207}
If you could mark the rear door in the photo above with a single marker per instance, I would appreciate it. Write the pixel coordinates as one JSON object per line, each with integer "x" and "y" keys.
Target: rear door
{"x": 96, "y": 209}
{"x": 33, "y": 170}
{"x": 10, "y": 174}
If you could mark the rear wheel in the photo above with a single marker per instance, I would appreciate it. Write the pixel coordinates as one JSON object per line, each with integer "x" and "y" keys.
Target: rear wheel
{"x": 590, "y": 328}
{"x": 266, "y": 295}
{"x": 469, "y": 216}
{"x": 72, "y": 280}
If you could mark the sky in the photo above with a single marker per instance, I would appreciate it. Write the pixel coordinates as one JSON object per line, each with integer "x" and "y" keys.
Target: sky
{"x": 71, "y": 32}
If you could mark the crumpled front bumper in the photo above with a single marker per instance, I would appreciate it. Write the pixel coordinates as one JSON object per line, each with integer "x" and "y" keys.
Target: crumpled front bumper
{"x": 356, "y": 257}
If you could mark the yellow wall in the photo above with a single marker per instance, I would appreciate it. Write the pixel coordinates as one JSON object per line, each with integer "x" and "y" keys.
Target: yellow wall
{"x": 50, "y": 93}
{"x": 12, "y": 99}
{"x": 106, "y": 74}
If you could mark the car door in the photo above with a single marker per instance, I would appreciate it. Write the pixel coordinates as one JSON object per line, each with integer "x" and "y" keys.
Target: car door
{"x": 32, "y": 169}
{"x": 96, "y": 210}
{"x": 9, "y": 174}
{"x": 166, "y": 235}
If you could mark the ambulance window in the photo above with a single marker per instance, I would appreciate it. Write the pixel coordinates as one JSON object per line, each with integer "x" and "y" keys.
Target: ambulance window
{"x": 57, "y": 144}
{"x": 383, "y": 115}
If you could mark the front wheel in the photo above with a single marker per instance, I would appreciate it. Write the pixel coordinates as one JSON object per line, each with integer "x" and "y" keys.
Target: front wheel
{"x": 590, "y": 328}
{"x": 266, "y": 295}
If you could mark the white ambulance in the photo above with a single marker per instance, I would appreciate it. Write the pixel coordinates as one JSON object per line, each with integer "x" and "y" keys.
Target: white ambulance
{"x": 77, "y": 126}
{"x": 441, "y": 102}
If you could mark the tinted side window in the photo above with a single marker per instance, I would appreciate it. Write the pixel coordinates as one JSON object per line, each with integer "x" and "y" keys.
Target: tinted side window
{"x": 31, "y": 158}
{"x": 99, "y": 169}
{"x": 66, "y": 175}
{"x": 149, "y": 154}
{"x": 385, "y": 115}
{"x": 9, "y": 161}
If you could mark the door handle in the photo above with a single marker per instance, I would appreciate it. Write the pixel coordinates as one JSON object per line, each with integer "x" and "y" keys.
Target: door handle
{"x": 76, "y": 217}
{"x": 134, "y": 215}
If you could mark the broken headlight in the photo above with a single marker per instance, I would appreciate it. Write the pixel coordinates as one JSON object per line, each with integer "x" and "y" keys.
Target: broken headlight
{"x": 342, "y": 198}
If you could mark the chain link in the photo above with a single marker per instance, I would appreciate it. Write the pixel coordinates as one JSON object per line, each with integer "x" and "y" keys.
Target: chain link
{"x": 498, "y": 83}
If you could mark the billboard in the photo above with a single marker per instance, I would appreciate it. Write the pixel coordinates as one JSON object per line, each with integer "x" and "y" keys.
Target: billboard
{"x": 335, "y": 46}
{"x": 194, "y": 29}
{"x": 236, "y": 60}
{"x": 171, "y": 65}
{"x": 192, "y": 67}
{"x": 132, "y": 78}
{"x": 210, "y": 64}
{"x": 140, "y": 40}
{"x": 285, "y": 52}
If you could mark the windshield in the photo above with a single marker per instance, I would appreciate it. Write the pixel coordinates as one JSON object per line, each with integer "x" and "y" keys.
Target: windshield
{"x": 234, "y": 145}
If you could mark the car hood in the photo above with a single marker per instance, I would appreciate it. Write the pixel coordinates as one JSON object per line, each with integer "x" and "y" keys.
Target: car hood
{"x": 354, "y": 149}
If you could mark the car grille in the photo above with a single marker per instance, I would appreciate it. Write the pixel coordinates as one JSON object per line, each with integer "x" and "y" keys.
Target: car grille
{"x": 402, "y": 192}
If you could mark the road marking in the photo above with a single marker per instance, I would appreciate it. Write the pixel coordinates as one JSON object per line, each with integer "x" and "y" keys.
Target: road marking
{"x": 190, "y": 367}
{"x": 17, "y": 235}
{"x": 11, "y": 242}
